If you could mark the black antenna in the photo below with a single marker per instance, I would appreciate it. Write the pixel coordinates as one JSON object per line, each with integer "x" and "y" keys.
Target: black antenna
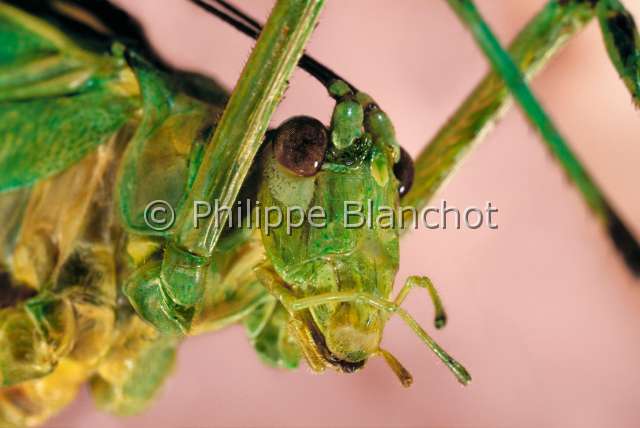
{"x": 252, "y": 28}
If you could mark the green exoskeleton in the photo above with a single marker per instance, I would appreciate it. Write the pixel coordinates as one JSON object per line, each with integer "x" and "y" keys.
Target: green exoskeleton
{"x": 92, "y": 126}
{"x": 335, "y": 280}
{"x": 95, "y": 128}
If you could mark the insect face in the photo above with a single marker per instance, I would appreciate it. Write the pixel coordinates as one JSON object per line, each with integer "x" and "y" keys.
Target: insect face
{"x": 354, "y": 331}
{"x": 338, "y": 251}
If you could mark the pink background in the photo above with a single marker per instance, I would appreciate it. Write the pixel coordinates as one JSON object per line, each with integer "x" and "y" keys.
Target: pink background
{"x": 542, "y": 311}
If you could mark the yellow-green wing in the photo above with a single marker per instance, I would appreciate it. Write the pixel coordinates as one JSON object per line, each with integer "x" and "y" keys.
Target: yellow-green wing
{"x": 62, "y": 94}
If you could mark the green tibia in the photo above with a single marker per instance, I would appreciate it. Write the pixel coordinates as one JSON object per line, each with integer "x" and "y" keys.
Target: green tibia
{"x": 232, "y": 149}
{"x": 424, "y": 282}
{"x": 509, "y": 72}
{"x": 531, "y": 50}
{"x": 623, "y": 43}
{"x": 166, "y": 293}
{"x": 230, "y": 153}
{"x": 159, "y": 165}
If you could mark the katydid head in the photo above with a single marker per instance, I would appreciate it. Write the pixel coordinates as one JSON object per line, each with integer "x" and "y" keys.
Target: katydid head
{"x": 330, "y": 229}
{"x": 336, "y": 195}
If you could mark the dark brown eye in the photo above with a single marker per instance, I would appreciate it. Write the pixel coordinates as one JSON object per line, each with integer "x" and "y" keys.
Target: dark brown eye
{"x": 404, "y": 172}
{"x": 300, "y": 145}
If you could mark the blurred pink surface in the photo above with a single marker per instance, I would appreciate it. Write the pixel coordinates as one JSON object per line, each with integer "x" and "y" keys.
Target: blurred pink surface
{"x": 542, "y": 311}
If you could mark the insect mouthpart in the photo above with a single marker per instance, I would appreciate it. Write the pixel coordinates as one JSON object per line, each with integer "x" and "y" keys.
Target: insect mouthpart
{"x": 403, "y": 375}
{"x": 327, "y": 354}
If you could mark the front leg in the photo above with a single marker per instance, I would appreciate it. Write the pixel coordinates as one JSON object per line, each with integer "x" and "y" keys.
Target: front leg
{"x": 530, "y": 51}
{"x": 424, "y": 282}
{"x": 534, "y": 46}
{"x": 502, "y": 63}
{"x": 272, "y": 282}
{"x": 295, "y": 306}
{"x": 231, "y": 290}
{"x": 166, "y": 293}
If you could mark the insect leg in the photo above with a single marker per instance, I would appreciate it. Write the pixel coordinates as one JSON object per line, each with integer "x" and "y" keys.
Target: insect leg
{"x": 424, "y": 282}
{"x": 623, "y": 43}
{"x": 229, "y": 156}
{"x": 274, "y": 285}
{"x": 230, "y": 290}
{"x": 252, "y": 28}
{"x": 508, "y": 70}
{"x": 233, "y": 293}
{"x": 294, "y": 304}
{"x": 146, "y": 294}
{"x": 531, "y": 50}
{"x": 167, "y": 293}
{"x": 548, "y": 31}
{"x": 456, "y": 368}
{"x": 533, "y": 47}
{"x": 402, "y": 373}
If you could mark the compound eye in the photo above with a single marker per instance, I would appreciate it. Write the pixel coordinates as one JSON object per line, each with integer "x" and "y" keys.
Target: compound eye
{"x": 404, "y": 172}
{"x": 301, "y": 144}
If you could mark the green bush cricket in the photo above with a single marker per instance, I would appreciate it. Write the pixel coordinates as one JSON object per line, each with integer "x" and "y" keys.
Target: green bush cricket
{"x": 184, "y": 281}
